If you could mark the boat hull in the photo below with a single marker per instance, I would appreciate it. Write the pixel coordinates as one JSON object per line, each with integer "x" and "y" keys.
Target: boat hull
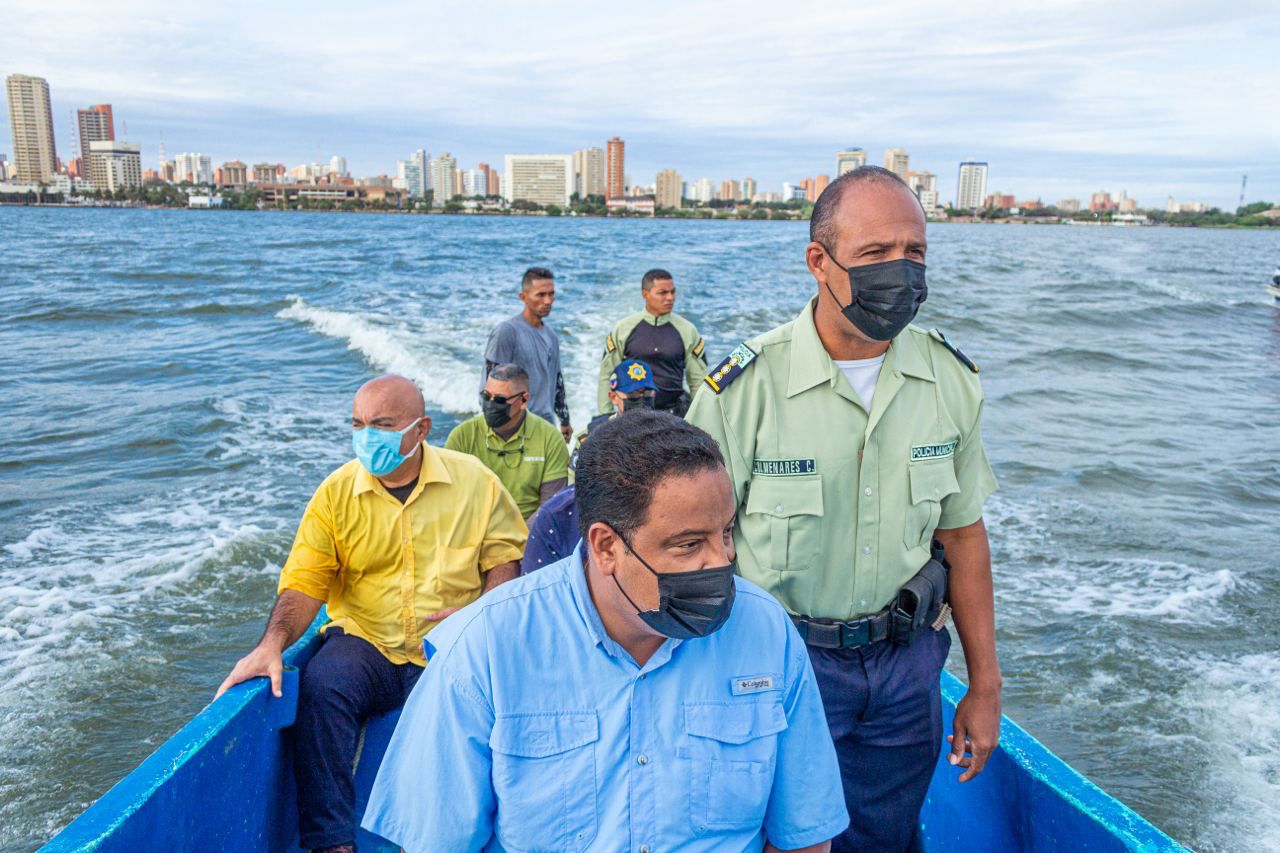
{"x": 224, "y": 782}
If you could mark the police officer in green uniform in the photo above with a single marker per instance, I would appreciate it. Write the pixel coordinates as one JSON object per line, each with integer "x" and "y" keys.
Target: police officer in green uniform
{"x": 664, "y": 340}
{"x": 854, "y": 445}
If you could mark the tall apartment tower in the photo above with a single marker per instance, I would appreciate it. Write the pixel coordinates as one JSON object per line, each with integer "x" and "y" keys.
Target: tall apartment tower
{"x": 971, "y": 188}
{"x": 95, "y": 125}
{"x": 588, "y": 171}
{"x": 897, "y": 160}
{"x": 615, "y": 168}
{"x": 539, "y": 178}
{"x": 668, "y": 188}
{"x": 35, "y": 157}
{"x": 115, "y": 165}
{"x": 749, "y": 188}
{"x": 849, "y": 159}
{"x": 443, "y": 175}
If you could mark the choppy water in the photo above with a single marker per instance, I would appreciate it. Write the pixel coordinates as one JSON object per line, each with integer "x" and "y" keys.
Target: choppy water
{"x": 175, "y": 384}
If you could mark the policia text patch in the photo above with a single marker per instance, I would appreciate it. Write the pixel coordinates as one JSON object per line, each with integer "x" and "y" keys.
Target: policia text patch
{"x": 783, "y": 467}
{"x": 933, "y": 451}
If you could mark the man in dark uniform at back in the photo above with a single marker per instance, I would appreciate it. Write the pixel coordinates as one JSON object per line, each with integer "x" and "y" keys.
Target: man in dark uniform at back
{"x": 661, "y": 338}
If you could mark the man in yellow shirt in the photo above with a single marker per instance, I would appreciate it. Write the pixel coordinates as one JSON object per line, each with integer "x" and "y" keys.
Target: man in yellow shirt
{"x": 392, "y": 542}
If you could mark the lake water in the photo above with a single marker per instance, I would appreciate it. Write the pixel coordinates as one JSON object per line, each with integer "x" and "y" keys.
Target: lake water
{"x": 176, "y": 384}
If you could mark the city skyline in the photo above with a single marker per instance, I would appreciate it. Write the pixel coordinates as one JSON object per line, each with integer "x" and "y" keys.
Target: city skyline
{"x": 1062, "y": 103}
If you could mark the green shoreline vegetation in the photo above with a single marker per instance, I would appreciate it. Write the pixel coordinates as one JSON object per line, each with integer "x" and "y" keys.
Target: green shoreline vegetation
{"x": 176, "y": 196}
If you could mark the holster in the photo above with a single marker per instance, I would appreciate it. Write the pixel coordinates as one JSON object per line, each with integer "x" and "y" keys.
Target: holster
{"x": 920, "y": 599}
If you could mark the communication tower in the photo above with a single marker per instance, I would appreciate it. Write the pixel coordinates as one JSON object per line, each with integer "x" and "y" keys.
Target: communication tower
{"x": 1244, "y": 179}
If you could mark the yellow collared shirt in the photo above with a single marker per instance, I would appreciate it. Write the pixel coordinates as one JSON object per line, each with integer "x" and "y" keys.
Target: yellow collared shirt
{"x": 382, "y": 567}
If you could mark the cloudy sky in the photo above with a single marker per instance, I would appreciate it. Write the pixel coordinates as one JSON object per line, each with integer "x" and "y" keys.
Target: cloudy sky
{"x": 1061, "y": 98}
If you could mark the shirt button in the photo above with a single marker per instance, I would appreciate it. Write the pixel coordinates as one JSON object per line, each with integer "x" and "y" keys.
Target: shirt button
{"x": 642, "y": 760}
{"x": 862, "y": 602}
{"x": 644, "y": 848}
{"x": 867, "y": 491}
{"x": 643, "y": 676}
{"x": 778, "y": 508}
{"x": 866, "y": 549}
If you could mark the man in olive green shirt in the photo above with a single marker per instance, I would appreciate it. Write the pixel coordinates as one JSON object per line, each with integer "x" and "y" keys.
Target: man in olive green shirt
{"x": 664, "y": 340}
{"x": 853, "y": 440}
{"x": 526, "y": 452}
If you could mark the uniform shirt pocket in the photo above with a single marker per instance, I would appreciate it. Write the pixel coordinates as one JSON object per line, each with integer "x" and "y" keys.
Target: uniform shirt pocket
{"x": 731, "y": 752}
{"x": 785, "y": 513}
{"x": 544, "y": 776}
{"x": 931, "y": 481}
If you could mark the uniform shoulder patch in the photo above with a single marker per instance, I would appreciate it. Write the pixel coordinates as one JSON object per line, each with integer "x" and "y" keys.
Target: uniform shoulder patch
{"x": 955, "y": 350}
{"x": 609, "y": 345}
{"x": 731, "y": 368}
{"x": 699, "y": 348}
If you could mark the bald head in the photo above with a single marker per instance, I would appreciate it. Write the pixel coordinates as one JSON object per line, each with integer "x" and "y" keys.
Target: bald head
{"x": 848, "y": 197}
{"x": 388, "y": 402}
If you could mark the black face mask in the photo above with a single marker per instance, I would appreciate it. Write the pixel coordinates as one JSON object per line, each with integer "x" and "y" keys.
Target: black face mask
{"x": 630, "y": 405}
{"x": 886, "y": 296}
{"x": 690, "y": 604}
{"x": 497, "y": 411}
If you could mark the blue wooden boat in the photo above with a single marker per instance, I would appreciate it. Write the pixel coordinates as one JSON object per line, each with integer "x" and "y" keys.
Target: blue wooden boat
{"x": 224, "y": 783}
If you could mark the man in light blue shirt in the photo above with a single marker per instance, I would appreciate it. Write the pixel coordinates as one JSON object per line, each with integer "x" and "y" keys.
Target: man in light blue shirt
{"x": 635, "y": 696}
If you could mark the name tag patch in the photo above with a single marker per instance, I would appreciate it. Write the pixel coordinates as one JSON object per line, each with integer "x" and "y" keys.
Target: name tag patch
{"x": 784, "y": 467}
{"x": 752, "y": 684}
{"x": 933, "y": 451}
{"x": 535, "y": 459}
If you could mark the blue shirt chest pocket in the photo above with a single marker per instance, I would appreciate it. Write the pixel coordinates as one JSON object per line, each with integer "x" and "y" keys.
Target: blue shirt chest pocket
{"x": 544, "y": 775}
{"x": 731, "y": 750}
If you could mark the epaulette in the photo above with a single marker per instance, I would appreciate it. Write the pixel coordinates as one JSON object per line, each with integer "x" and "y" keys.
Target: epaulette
{"x": 955, "y": 350}
{"x": 609, "y": 345}
{"x": 698, "y": 348}
{"x": 729, "y": 369}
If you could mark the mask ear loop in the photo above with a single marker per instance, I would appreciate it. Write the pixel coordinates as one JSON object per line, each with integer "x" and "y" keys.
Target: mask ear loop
{"x": 831, "y": 256}
{"x": 618, "y": 583}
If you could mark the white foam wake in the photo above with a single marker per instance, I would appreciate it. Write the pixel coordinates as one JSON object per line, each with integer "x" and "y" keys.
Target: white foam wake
{"x": 421, "y": 353}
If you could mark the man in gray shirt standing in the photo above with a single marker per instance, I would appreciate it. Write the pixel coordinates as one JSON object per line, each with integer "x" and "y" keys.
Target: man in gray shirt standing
{"x": 528, "y": 341}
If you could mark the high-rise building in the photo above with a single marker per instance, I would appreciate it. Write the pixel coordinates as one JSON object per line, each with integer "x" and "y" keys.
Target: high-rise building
{"x": 484, "y": 170}
{"x": 971, "y": 188}
{"x": 475, "y": 182}
{"x": 4, "y": 167}
{"x": 1101, "y": 201}
{"x": 95, "y": 125}
{"x": 749, "y": 189}
{"x": 806, "y": 184}
{"x": 667, "y": 188}
{"x": 115, "y": 165}
{"x": 338, "y": 166}
{"x": 35, "y": 156}
{"x": 615, "y": 169}
{"x": 193, "y": 168}
{"x": 459, "y": 182}
{"x": 443, "y": 174}
{"x": 539, "y": 178}
{"x": 730, "y": 190}
{"x": 264, "y": 173}
{"x": 703, "y": 191}
{"x": 234, "y": 174}
{"x": 413, "y": 174}
{"x": 848, "y": 160}
{"x": 922, "y": 181}
{"x": 495, "y": 182}
{"x": 897, "y": 160}
{"x": 588, "y": 172}
{"x": 819, "y": 184}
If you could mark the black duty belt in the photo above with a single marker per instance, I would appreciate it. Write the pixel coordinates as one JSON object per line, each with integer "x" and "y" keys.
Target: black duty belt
{"x": 918, "y": 603}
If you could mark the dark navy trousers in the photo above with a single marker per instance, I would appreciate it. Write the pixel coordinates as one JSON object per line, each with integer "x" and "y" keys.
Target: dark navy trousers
{"x": 884, "y": 708}
{"x": 345, "y": 683}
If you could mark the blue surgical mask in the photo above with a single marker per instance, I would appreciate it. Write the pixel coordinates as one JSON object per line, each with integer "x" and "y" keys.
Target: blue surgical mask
{"x": 379, "y": 449}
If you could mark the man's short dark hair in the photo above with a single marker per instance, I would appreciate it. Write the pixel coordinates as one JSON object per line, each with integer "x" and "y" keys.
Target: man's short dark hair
{"x": 510, "y": 373}
{"x": 822, "y": 222}
{"x": 623, "y": 460}
{"x": 533, "y": 274}
{"x": 655, "y": 274}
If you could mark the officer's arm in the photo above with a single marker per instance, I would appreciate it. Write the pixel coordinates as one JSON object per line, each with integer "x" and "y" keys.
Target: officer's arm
{"x": 611, "y": 359}
{"x": 973, "y": 608}
{"x": 695, "y": 362}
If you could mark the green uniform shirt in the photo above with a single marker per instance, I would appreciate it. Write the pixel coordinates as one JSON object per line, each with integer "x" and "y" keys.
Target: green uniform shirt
{"x": 695, "y": 365}
{"x": 837, "y": 505}
{"x": 535, "y": 454}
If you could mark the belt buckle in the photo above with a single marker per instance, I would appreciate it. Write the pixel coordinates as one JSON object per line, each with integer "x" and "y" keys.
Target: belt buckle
{"x": 854, "y": 634}
{"x": 826, "y": 635}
